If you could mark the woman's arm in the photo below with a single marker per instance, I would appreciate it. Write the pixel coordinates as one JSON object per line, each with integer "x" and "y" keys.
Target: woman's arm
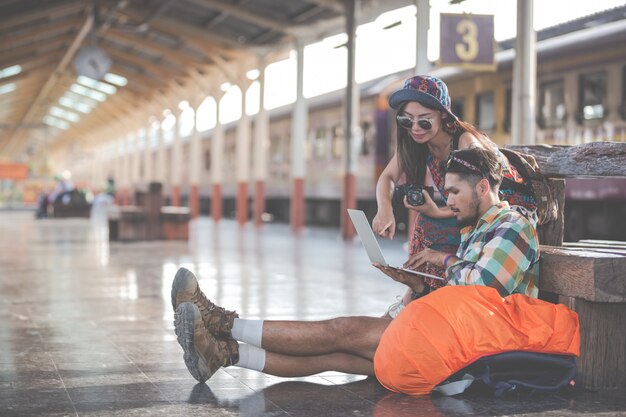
{"x": 384, "y": 223}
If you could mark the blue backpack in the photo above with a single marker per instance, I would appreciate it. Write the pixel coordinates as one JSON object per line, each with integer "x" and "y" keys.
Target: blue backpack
{"x": 512, "y": 373}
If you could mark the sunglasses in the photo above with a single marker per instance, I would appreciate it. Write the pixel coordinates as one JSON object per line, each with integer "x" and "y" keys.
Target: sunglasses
{"x": 407, "y": 122}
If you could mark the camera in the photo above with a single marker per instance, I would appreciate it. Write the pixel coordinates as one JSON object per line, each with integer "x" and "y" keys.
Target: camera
{"x": 414, "y": 194}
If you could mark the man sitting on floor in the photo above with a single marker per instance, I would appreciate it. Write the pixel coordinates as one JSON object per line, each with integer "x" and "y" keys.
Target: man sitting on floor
{"x": 499, "y": 249}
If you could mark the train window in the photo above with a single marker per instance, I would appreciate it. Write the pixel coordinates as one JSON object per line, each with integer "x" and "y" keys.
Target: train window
{"x": 592, "y": 93}
{"x": 508, "y": 109}
{"x": 275, "y": 149}
{"x": 485, "y": 112}
{"x": 320, "y": 143}
{"x": 338, "y": 142}
{"x": 552, "y": 96}
{"x": 458, "y": 107}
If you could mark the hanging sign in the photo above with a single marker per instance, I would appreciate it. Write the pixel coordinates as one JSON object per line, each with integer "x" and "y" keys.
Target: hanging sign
{"x": 467, "y": 40}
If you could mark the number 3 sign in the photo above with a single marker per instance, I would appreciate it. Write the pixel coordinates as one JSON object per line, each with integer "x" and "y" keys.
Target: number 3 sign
{"x": 467, "y": 40}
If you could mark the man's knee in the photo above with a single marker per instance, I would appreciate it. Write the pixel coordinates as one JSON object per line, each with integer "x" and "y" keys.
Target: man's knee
{"x": 342, "y": 328}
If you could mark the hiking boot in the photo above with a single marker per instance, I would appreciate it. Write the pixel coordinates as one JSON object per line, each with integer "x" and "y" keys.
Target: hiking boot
{"x": 216, "y": 319}
{"x": 204, "y": 354}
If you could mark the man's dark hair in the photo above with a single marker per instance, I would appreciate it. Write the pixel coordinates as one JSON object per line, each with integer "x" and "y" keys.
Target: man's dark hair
{"x": 475, "y": 164}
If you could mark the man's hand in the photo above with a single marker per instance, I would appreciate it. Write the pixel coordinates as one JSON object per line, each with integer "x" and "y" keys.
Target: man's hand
{"x": 433, "y": 257}
{"x": 415, "y": 282}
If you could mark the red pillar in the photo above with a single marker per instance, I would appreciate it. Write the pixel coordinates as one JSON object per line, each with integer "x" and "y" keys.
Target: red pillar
{"x": 125, "y": 197}
{"x": 259, "y": 202}
{"x": 242, "y": 203}
{"x": 194, "y": 202}
{"x": 297, "y": 205}
{"x": 216, "y": 203}
{"x": 348, "y": 202}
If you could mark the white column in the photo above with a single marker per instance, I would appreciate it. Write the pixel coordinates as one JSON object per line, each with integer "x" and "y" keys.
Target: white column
{"x": 298, "y": 136}
{"x": 161, "y": 169}
{"x": 217, "y": 149}
{"x": 176, "y": 159}
{"x": 524, "y": 77}
{"x": 422, "y": 64}
{"x": 243, "y": 157}
{"x": 217, "y": 152}
{"x": 299, "y": 119}
{"x": 147, "y": 153}
{"x": 196, "y": 158}
{"x": 136, "y": 158}
{"x": 261, "y": 142}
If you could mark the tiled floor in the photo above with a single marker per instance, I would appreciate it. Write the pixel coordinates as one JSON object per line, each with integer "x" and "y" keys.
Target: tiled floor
{"x": 87, "y": 325}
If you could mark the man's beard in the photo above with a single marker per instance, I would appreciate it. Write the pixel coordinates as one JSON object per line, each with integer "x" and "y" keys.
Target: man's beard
{"x": 472, "y": 219}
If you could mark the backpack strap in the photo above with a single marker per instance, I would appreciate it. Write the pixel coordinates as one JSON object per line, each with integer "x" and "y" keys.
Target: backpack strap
{"x": 455, "y": 140}
{"x": 565, "y": 365}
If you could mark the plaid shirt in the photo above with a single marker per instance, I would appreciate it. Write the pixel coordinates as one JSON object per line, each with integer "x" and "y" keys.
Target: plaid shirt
{"x": 501, "y": 251}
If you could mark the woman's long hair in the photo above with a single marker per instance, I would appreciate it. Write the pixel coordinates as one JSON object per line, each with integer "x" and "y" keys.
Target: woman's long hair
{"x": 413, "y": 156}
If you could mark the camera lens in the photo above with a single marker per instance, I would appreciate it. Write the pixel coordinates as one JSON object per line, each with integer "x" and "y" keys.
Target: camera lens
{"x": 415, "y": 197}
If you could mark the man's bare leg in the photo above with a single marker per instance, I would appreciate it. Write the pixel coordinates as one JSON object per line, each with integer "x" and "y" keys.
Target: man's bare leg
{"x": 355, "y": 335}
{"x": 292, "y": 366}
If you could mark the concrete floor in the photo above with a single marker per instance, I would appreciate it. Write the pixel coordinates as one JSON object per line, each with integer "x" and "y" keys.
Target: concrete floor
{"x": 87, "y": 324}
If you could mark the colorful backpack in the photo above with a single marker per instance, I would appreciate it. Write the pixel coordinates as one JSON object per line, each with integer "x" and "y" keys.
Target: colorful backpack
{"x": 535, "y": 184}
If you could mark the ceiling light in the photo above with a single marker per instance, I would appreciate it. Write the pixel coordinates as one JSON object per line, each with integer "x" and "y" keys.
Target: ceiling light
{"x": 54, "y": 122}
{"x": 10, "y": 71}
{"x": 7, "y": 88}
{"x": 64, "y": 114}
{"x": 118, "y": 80}
{"x": 96, "y": 85}
{"x": 87, "y": 92}
{"x": 74, "y": 105}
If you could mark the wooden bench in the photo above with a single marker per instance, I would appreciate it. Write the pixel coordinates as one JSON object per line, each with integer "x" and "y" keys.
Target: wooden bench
{"x": 588, "y": 276}
{"x": 149, "y": 220}
{"x": 175, "y": 221}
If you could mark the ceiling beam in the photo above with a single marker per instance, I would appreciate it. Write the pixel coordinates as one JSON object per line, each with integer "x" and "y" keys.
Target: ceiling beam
{"x": 23, "y": 55}
{"x": 39, "y": 34}
{"x": 242, "y": 13}
{"x": 155, "y": 47}
{"x": 43, "y": 94}
{"x": 192, "y": 34}
{"x": 64, "y": 9}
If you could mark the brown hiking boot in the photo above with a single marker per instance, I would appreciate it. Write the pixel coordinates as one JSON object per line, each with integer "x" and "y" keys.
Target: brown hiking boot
{"x": 216, "y": 319}
{"x": 203, "y": 353}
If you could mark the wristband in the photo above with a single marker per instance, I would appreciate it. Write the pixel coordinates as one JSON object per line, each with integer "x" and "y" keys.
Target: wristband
{"x": 446, "y": 259}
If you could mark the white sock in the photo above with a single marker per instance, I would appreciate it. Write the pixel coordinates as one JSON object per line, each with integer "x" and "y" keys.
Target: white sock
{"x": 248, "y": 331}
{"x": 251, "y": 357}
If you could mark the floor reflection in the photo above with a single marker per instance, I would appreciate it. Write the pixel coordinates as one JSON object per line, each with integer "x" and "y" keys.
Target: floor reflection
{"x": 87, "y": 323}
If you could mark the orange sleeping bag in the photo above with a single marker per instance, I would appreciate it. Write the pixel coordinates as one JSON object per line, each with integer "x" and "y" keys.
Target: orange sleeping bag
{"x": 443, "y": 332}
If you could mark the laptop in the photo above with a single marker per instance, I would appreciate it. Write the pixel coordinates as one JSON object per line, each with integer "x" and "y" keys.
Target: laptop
{"x": 366, "y": 234}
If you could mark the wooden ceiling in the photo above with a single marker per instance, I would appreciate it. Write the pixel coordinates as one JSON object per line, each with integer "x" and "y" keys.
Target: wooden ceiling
{"x": 160, "y": 46}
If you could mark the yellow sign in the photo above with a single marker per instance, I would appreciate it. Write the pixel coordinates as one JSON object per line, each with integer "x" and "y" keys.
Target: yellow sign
{"x": 467, "y": 40}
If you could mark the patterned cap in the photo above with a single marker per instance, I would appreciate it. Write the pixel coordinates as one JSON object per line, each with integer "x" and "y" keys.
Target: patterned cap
{"x": 425, "y": 89}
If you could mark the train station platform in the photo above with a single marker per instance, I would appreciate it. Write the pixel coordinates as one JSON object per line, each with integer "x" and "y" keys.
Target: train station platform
{"x": 87, "y": 324}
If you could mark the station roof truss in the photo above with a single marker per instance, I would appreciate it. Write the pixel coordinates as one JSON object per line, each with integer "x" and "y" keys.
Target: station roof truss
{"x": 159, "y": 50}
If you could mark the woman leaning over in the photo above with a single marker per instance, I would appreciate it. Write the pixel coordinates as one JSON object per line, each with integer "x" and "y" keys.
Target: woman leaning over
{"x": 427, "y": 131}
